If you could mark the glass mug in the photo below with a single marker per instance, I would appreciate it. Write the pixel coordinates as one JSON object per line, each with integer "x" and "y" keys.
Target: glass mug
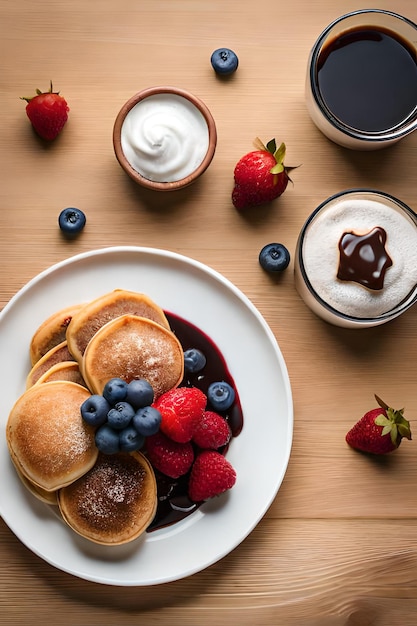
{"x": 361, "y": 84}
{"x": 356, "y": 259}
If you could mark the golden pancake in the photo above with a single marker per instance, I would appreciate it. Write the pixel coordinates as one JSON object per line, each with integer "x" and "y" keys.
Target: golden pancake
{"x": 58, "y": 354}
{"x": 67, "y": 370}
{"x": 48, "y": 497}
{"x": 48, "y": 440}
{"x": 97, "y": 313}
{"x": 131, "y": 347}
{"x": 51, "y": 332}
{"x": 114, "y": 502}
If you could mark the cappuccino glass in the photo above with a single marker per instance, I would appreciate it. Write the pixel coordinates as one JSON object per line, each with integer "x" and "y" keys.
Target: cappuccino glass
{"x": 356, "y": 259}
{"x": 361, "y": 84}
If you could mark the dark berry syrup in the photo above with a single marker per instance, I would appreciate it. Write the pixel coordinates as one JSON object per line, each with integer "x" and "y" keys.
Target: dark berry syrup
{"x": 367, "y": 78}
{"x": 173, "y": 502}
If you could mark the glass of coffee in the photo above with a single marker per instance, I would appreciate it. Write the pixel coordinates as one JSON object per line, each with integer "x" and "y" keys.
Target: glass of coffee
{"x": 361, "y": 84}
{"x": 356, "y": 259}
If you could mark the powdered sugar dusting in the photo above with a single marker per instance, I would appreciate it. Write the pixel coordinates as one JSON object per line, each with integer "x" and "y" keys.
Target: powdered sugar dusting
{"x": 53, "y": 440}
{"x": 134, "y": 350}
{"x": 108, "y": 498}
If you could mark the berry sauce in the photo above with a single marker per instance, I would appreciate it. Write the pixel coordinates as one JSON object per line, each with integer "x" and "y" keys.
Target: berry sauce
{"x": 173, "y": 501}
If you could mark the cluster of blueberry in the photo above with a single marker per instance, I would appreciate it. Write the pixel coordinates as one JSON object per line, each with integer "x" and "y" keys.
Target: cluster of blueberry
{"x": 123, "y": 415}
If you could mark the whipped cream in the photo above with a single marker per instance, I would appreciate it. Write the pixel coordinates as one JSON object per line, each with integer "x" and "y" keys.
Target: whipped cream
{"x": 165, "y": 137}
{"x": 321, "y": 256}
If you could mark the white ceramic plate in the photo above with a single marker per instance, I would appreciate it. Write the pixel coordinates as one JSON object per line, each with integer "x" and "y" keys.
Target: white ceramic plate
{"x": 259, "y": 454}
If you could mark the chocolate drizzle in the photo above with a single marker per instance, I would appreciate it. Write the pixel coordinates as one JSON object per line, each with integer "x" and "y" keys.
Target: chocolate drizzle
{"x": 363, "y": 258}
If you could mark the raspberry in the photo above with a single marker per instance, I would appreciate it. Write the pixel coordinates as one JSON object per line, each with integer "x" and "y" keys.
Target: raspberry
{"x": 169, "y": 457}
{"x": 211, "y": 475}
{"x": 181, "y": 409}
{"x": 212, "y": 431}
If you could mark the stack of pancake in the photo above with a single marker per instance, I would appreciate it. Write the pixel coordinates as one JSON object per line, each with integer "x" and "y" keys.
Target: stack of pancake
{"x": 107, "y": 499}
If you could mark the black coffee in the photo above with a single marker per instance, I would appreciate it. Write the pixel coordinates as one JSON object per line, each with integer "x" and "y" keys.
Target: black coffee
{"x": 367, "y": 78}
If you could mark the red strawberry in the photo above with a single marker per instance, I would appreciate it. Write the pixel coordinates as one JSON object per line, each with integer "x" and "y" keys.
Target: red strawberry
{"x": 212, "y": 431}
{"x": 169, "y": 457}
{"x": 260, "y": 176}
{"x": 181, "y": 409}
{"x": 211, "y": 475}
{"x": 380, "y": 430}
{"x": 48, "y": 112}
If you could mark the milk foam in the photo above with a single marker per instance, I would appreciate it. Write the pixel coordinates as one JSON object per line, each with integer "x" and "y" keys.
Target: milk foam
{"x": 165, "y": 137}
{"x": 321, "y": 256}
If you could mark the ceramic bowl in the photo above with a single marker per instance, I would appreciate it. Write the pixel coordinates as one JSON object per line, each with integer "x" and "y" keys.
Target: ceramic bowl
{"x": 164, "y": 138}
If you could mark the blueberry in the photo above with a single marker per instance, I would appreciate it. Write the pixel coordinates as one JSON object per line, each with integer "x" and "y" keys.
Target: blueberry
{"x": 71, "y": 221}
{"x": 107, "y": 439}
{"x": 139, "y": 393}
{"x": 94, "y": 410}
{"x": 224, "y": 61}
{"x": 221, "y": 396}
{"x": 194, "y": 360}
{"x": 115, "y": 390}
{"x": 147, "y": 421}
{"x": 130, "y": 440}
{"x": 120, "y": 415}
{"x": 274, "y": 257}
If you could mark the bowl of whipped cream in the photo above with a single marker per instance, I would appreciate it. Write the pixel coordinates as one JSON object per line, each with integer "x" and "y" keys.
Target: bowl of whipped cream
{"x": 164, "y": 138}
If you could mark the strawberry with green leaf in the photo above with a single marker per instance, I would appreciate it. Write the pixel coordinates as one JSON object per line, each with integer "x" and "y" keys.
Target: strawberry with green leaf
{"x": 260, "y": 176}
{"x": 380, "y": 430}
{"x": 48, "y": 113}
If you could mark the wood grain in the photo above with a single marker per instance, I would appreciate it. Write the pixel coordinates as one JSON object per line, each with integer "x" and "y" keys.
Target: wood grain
{"x": 338, "y": 546}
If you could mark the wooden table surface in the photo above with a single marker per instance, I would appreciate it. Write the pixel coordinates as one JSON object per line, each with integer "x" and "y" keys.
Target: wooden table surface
{"x": 338, "y": 545}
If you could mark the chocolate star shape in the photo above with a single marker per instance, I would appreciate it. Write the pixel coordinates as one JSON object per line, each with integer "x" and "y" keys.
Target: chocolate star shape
{"x": 363, "y": 258}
